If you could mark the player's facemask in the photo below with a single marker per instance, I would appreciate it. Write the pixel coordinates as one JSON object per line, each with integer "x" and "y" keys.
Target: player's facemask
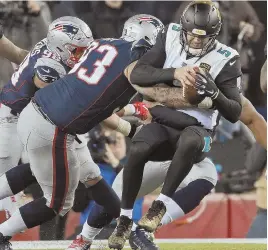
{"x": 196, "y": 45}
{"x": 75, "y": 54}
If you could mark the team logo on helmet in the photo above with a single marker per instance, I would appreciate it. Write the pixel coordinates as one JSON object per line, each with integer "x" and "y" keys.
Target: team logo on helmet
{"x": 199, "y": 32}
{"x": 151, "y": 20}
{"x": 69, "y": 29}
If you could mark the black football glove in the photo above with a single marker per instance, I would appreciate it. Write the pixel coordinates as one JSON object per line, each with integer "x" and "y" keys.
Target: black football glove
{"x": 206, "y": 86}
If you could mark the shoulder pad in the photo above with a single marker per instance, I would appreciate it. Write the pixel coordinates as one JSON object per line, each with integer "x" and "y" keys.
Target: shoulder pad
{"x": 174, "y": 27}
{"x": 218, "y": 58}
{"x": 172, "y": 35}
{"x": 225, "y": 51}
{"x": 49, "y": 70}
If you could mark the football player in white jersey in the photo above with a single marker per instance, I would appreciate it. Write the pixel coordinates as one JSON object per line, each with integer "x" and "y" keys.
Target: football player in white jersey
{"x": 177, "y": 55}
{"x": 188, "y": 196}
{"x": 184, "y": 200}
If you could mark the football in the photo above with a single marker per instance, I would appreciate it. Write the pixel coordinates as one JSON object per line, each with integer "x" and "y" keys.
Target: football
{"x": 190, "y": 94}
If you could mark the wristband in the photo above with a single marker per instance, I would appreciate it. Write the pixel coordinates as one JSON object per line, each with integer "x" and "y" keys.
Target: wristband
{"x": 124, "y": 127}
{"x": 129, "y": 110}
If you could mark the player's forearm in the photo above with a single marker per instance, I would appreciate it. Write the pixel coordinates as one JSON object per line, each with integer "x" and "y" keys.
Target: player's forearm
{"x": 112, "y": 121}
{"x": 230, "y": 109}
{"x": 11, "y": 52}
{"x": 170, "y": 97}
{"x": 259, "y": 129}
{"x": 146, "y": 75}
{"x": 254, "y": 121}
{"x": 116, "y": 123}
{"x": 21, "y": 54}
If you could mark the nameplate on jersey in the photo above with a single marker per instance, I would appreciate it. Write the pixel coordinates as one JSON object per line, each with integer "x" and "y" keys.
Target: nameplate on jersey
{"x": 205, "y": 66}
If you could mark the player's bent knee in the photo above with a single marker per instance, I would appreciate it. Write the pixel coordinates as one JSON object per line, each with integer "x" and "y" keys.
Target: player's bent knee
{"x": 189, "y": 139}
{"x": 20, "y": 177}
{"x": 140, "y": 149}
{"x": 90, "y": 173}
{"x": 32, "y": 210}
{"x": 205, "y": 170}
{"x": 92, "y": 182}
{"x": 208, "y": 171}
{"x": 194, "y": 140}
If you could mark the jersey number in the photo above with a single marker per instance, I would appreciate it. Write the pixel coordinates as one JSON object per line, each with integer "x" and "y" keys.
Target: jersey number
{"x": 224, "y": 52}
{"x": 100, "y": 66}
{"x": 16, "y": 75}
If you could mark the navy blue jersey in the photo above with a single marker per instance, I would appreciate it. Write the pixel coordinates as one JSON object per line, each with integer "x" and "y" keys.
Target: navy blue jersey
{"x": 41, "y": 62}
{"x": 94, "y": 89}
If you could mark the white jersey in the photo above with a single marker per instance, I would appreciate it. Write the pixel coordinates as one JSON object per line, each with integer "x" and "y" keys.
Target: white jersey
{"x": 213, "y": 61}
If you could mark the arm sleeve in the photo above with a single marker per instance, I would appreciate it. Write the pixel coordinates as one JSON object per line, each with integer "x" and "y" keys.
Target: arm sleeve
{"x": 149, "y": 69}
{"x": 228, "y": 101}
{"x": 48, "y": 70}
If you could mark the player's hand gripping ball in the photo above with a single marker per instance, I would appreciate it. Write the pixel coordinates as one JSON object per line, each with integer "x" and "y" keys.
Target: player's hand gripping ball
{"x": 191, "y": 95}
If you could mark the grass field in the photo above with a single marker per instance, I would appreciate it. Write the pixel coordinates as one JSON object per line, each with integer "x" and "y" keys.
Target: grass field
{"x": 220, "y": 244}
{"x": 209, "y": 246}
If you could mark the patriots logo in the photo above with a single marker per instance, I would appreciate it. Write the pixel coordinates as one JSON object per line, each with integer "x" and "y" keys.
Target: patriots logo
{"x": 151, "y": 20}
{"x": 69, "y": 29}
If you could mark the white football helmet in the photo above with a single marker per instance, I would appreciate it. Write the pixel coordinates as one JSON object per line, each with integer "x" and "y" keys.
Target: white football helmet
{"x": 142, "y": 26}
{"x": 68, "y": 37}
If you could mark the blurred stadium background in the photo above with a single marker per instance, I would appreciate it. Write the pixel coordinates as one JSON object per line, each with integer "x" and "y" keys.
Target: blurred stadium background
{"x": 240, "y": 194}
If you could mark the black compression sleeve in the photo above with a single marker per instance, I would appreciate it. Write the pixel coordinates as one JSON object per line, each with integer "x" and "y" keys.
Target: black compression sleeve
{"x": 149, "y": 69}
{"x": 228, "y": 101}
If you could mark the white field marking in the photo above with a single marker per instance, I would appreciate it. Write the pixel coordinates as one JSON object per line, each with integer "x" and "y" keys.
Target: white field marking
{"x": 101, "y": 244}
